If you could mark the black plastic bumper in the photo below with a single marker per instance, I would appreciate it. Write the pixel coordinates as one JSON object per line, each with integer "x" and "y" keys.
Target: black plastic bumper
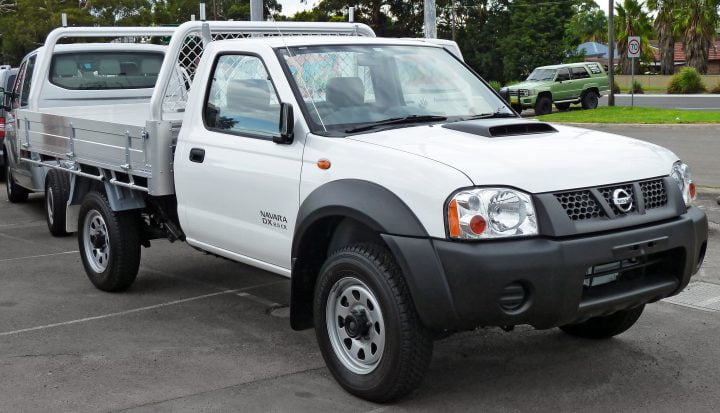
{"x": 463, "y": 285}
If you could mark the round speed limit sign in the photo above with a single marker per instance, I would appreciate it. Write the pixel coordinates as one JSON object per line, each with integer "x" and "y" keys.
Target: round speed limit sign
{"x": 633, "y": 46}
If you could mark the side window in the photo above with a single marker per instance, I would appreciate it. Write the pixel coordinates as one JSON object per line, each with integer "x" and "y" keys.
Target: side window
{"x": 16, "y": 86}
{"x": 562, "y": 75}
{"x": 25, "y": 93}
{"x": 580, "y": 73}
{"x": 242, "y": 98}
{"x": 9, "y": 87}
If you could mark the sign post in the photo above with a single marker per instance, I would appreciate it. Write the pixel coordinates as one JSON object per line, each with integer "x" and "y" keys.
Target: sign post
{"x": 633, "y": 53}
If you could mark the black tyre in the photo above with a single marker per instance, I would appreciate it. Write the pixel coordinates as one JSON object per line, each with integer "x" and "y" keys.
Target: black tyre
{"x": 15, "y": 193}
{"x": 366, "y": 325}
{"x": 606, "y": 326}
{"x": 543, "y": 106}
{"x": 590, "y": 100}
{"x": 57, "y": 190}
{"x": 109, "y": 243}
{"x": 562, "y": 106}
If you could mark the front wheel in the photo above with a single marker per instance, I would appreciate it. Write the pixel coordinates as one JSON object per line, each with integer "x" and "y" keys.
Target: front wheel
{"x": 57, "y": 189}
{"x": 543, "y": 106}
{"x": 366, "y": 325}
{"x": 109, "y": 243}
{"x": 605, "y": 326}
{"x": 590, "y": 100}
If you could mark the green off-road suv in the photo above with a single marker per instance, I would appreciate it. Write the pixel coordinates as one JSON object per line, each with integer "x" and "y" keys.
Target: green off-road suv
{"x": 562, "y": 85}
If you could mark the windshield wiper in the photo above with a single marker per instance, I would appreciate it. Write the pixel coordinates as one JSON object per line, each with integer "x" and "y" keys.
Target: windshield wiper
{"x": 497, "y": 114}
{"x": 397, "y": 121}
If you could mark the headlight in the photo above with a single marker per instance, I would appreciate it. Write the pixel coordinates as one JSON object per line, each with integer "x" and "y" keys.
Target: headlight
{"x": 683, "y": 176}
{"x": 482, "y": 213}
{"x": 523, "y": 92}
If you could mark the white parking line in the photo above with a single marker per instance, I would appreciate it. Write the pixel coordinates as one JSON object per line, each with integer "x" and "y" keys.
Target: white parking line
{"x": 134, "y": 310}
{"x": 38, "y": 256}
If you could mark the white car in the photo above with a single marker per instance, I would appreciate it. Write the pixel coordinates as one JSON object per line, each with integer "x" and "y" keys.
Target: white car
{"x": 399, "y": 192}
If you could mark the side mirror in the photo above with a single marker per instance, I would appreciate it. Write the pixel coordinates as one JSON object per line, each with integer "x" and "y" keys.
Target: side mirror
{"x": 287, "y": 125}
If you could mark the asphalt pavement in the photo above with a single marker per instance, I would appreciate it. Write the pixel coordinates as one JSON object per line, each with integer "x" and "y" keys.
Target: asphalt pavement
{"x": 703, "y": 102}
{"x": 697, "y": 145}
{"x": 198, "y": 333}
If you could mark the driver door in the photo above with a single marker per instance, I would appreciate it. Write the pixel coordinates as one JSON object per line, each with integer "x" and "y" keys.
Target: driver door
{"x": 238, "y": 191}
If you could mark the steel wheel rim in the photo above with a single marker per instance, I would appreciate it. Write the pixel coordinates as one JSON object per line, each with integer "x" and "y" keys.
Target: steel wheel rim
{"x": 50, "y": 201}
{"x": 359, "y": 349}
{"x": 96, "y": 241}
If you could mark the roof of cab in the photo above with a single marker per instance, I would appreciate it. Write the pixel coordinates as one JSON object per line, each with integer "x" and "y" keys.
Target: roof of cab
{"x": 105, "y": 47}
{"x": 294, "y": 41}
{"x": 563, "y": 65}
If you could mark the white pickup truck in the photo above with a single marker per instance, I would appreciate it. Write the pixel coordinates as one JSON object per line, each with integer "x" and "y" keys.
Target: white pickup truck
{"x": 75, "y": 75}
{"x": 399, "y": 192}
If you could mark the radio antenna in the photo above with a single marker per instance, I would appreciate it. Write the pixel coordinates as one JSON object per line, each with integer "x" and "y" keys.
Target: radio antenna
{"x": 305, "y": 87}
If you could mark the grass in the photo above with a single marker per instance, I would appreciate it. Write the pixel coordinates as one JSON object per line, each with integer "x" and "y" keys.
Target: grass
{"x": 624, "y": 114}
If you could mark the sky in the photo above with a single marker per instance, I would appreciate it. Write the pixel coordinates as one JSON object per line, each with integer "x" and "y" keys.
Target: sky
{"x": 292, "y": 6}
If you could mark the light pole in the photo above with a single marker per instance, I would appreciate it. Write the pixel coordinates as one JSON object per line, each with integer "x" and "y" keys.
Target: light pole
{"x": 611, "y": 51}
{"x": 430, "y": 22}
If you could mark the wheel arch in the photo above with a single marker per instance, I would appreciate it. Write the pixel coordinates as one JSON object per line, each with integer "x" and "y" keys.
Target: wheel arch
{"x": 335, "y": 215}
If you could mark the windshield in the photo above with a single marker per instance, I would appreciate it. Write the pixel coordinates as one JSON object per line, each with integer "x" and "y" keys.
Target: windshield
{"x": 542, "y": 74}
{"x": 102, "y": 71}
{"x": 345, "y": 86}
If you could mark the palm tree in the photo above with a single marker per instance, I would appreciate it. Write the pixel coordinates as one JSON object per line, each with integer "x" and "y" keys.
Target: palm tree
{"x": 697, "y": 21}
{"x": 664, "y": 19}
{"x": 632, "y": 20}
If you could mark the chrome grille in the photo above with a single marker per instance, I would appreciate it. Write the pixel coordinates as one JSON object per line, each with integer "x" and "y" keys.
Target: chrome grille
{"x": 654, "y": 193}
{"x": 580, "y": 205}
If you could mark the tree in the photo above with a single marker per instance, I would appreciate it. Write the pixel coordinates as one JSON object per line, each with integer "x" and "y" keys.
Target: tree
{"x": 536, "y": 36}
{"x": 589, "y": 24}
{"x": 26, "y": 28}
{"x": 631, "y": 20}
{"x": 664, "y": 17}
{"x": 697, "y": 21}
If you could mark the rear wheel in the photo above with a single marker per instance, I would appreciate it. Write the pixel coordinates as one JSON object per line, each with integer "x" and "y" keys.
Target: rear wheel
{"x": 606, "y": 326}
{"x": 366, "y": 325}
{"x": 57, "y": 189}
{"x": 562, "y": 106}
{"x": 15, "y": 193}
{"x": 543, "y": 106}
{"x": 590, "y": 100}
{"x": 109, "y": 243}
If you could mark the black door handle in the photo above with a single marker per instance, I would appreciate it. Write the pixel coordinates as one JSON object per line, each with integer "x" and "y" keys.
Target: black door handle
{"x": 197, "y": 155}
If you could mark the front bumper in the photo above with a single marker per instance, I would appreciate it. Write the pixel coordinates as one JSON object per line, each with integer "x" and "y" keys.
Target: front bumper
{"x": 525, "y": 101}
{"x": 463, "y": 285}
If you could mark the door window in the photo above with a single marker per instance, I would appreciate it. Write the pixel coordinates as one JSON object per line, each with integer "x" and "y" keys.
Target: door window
{"x": 562, "y": 75}
{"x": 25, "y": 93}
{"x": 242, "y": 99}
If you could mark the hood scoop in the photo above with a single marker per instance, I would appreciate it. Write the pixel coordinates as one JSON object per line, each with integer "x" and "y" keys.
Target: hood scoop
{"x": 496, "y": 129}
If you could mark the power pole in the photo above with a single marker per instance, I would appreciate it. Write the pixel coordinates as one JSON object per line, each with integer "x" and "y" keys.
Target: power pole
{"x": 611, "y": 52}
{"x": 453, "y": 20}
{"x": 430, "y": 19}
{"x": 256, "y": 10}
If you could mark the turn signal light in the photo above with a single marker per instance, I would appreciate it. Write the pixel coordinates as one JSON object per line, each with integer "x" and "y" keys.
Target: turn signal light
{"x": 453, "y": 219}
